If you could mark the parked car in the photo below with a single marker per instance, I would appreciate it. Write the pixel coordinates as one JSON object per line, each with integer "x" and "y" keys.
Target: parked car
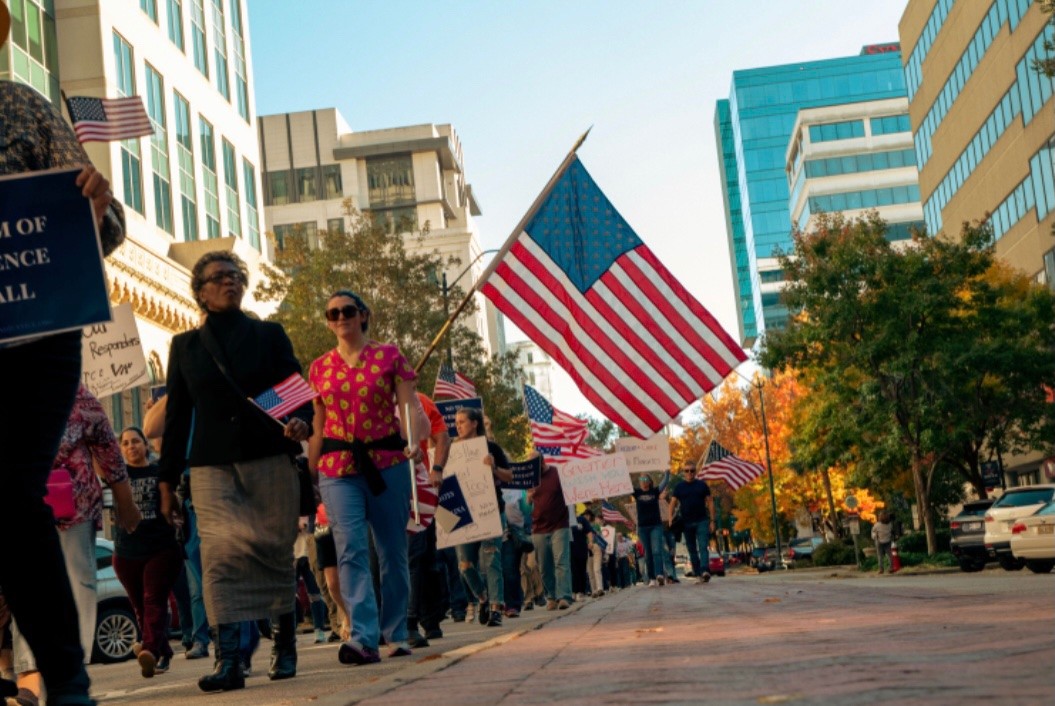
{"x": 1013, "y": 505}
{"x": 967, "y": 532}
{"x": 715, "y": 565}
{"x": 763, "y": 558}
{"x": 1033, "y": 540}
{"x": 802, "y": 548}
{"x": 115, "y": 625}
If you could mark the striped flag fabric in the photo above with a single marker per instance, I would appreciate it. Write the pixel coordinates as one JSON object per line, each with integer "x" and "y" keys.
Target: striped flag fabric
{"x": 611, "y": 514}
{"x": 559, "y": 455}
{"x": 108, "y": 119}
{"x": 580, "y": 283}
{"x": 722, "y": 464}
{"x": 427, "y": 500}
{"x": 286, "y": 396}
{"x": 450, "y": 383}
{"x": 549, "y": 426}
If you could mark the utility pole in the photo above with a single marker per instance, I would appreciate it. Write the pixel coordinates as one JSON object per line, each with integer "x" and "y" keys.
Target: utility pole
{"x": 769, "y": 466}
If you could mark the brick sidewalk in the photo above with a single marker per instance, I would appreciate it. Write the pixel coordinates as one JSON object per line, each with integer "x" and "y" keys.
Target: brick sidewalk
{"x": 778, "y": 638}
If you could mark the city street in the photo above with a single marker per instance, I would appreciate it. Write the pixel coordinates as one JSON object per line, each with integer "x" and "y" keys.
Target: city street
{"x": 807, "y": 636}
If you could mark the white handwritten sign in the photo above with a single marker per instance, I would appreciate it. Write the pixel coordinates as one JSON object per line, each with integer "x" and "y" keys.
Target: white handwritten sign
{"x": 466, "y": 461}
{"x": 594, "y": 478}
{"x": 645, "y": 454}
{"x": 112, "y": 354}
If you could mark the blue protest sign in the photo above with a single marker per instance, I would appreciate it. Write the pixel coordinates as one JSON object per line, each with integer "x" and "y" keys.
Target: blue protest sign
{"x": 51, "y": 265}
{"x": 526, "y": 474}
{"x": 448, "y": 408}
{"x": 452, "y": 499}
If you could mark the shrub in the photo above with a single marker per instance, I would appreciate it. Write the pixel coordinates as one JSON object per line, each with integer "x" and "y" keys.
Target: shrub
{"x": 833, "y": 554}
{"x": 917, "y": 541}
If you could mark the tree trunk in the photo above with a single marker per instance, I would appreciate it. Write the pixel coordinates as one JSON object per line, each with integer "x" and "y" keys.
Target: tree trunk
{"x": 923, "y": 503}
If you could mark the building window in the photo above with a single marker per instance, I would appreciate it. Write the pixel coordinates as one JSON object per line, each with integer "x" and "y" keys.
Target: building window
{"x": 197, "y": 34}
{"x": 391, "y": 181}
{"x": 890, "y": 124}
{"x": 278, "y": 191}
{"x": 331, "y": 179}
{"x": 185, "y": 159}
{"x": 159, "y": 150}
{"x": 34, "y": 56}
{"x": 219, "y": 48}
{"x": 335, "y": 225}
{"x": 307, "y": 189}
{"x": 230, "y": 180}
{"x": 396, "y": 220}
{"x": 209, "y": 181}
{"x": 837, "y": 131}
{"x": 131, "y": 157}
{"x": 175, "y": 22}
{"x": 150, "y": 7}
{"x": 1049, "y": 268}
{"x": 252, "y": 214}
{"x": 241, "y": 80}
{"x": 309, "y": 229}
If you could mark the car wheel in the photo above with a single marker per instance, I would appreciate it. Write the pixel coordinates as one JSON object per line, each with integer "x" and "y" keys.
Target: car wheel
{"x": 1041, "y": 566}
{"x": 1011, "y": 564}
{"x": 971, "y": 565}
{"x": 115, "y": 631}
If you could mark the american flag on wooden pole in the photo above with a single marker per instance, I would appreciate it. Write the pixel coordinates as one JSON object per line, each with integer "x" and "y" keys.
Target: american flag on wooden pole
{"x": 451, "y": 383}
{"x": 722, "y": 464}
{"x": 108, "y": 119}
{"x": 576, "y": 278}
{"x": 549, "y": 426}
{"x": 286, "y": 396}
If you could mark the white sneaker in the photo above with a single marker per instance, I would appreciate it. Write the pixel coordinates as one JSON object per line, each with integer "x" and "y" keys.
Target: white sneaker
{"x": 651, "y": 583}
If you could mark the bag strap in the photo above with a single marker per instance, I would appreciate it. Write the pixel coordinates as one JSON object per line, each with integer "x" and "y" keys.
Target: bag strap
{"x": 213, "y": 347}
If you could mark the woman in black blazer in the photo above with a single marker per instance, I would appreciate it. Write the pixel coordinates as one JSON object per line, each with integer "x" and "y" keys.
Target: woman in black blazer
{"x": 243, "y": 479}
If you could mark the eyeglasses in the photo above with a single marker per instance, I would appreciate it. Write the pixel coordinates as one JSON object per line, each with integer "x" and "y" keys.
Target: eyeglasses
{"x": 688, "y": 470}
{"x": 233, "y": 275}
{"x": 350, "y": 311}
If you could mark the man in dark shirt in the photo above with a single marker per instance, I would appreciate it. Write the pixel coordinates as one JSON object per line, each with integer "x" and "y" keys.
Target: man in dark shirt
{"x": 697, "y": 515}
{"x": 552, "y": 538}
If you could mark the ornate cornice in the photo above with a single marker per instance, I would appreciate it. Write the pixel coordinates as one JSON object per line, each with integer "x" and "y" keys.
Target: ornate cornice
{"x": 157, "y": 287}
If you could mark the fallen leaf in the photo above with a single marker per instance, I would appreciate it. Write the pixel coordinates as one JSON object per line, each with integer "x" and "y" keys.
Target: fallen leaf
{"x": 771, "y": 600}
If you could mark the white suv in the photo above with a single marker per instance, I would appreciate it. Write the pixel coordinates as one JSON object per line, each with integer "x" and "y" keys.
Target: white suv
{"x": 1014, "y": 504}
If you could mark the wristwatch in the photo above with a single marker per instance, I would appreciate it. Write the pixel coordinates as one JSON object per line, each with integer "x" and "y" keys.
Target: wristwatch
{"x": 438, "y": 467}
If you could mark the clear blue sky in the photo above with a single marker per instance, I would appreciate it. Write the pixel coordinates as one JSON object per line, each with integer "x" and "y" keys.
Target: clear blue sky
{"x": 520, "y": 81}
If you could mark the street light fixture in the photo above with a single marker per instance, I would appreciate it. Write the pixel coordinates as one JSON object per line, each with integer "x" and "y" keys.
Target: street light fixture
{"x": 446, "y": 291}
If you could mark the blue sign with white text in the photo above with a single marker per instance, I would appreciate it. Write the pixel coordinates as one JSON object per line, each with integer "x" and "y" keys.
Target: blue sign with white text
{"x": 526, "y": 474}
{"x": 448, "y": 408}
{"x": 51, "y": 265}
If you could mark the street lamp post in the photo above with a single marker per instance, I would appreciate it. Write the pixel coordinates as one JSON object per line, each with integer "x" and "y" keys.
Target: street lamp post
{"x": 769, "y": 466}
{"x": 446, "y": 310}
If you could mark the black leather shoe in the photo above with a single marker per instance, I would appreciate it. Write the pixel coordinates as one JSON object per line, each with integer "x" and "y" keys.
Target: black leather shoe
{"x": 284, "y": 650}
{"x": 416, "y": 639}
{"x": 227, "y": 677}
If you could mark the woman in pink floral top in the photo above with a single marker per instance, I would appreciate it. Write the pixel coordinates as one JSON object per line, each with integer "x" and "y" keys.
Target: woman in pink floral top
{"x": 361, "y": 452}
{"x": 87, "y": 442}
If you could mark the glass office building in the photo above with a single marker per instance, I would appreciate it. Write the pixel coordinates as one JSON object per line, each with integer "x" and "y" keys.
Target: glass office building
{"x": 753, "y": 129}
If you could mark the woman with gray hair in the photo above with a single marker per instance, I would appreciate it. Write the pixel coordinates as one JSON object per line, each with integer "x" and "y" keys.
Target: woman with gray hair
{"x": 243, "y": 478}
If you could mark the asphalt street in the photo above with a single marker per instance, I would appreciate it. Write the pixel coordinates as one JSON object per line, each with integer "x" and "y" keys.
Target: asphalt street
{"x": 805, "y": 637}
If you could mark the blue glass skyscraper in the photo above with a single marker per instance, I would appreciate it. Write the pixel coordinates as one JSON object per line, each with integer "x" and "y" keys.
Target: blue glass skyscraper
{"x": 753, "y": 128}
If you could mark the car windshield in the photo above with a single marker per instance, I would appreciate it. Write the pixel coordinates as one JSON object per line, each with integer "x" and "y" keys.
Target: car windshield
{"x": 1048, "y": 509}
{"x": 1025, "y": 497}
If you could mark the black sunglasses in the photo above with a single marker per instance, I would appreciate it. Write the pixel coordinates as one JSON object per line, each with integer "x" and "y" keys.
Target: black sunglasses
{"x": 350, "y": 311}
{"x": 219, "y": 277}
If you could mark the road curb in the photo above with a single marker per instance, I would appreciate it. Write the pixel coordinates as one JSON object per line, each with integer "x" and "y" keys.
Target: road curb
{"x": 435, "y": 663}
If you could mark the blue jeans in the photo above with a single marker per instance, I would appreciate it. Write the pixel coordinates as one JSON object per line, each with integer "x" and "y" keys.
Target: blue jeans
{"x": 553, "y": 553}
{"x": 448, "y": 559}
{"x": 669, "y": 545}
{"x": 351, "y": 507}
{"x": 192, "y": 565}
{"x": 477, "y": 560}
{"x": 652, "y": 540}
{"x": 697, "y": 536}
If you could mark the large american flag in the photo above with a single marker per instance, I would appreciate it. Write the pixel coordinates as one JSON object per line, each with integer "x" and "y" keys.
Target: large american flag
{"x": 108, "y": 119}
{"x": 286, "y": 396}
{"x": 723, "y": 464}
{"x": 450, "y": 383}
{"x": 549, "y": 426}
{"x": 580, "y": 283}
{"x": 611, "y": 514}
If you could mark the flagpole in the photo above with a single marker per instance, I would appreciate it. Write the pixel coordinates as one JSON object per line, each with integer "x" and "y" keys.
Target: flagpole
{"x": 413, "y": 466}
{"x": 505, "y": 248}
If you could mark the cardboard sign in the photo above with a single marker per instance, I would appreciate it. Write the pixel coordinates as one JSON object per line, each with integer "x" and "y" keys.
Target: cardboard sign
{"x": 51, "y": 264}
{"x": 449, "y": 408}
{"x": 526, "y": 474}
{"x": 112, "y": 355}
{"x": 471, "y": 514}
{"x": 645, "y": 454}
{"x": 594, "y": 478}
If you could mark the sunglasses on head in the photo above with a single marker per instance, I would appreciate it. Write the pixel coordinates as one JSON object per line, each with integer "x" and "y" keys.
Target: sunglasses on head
{"x": 350, "y": 311}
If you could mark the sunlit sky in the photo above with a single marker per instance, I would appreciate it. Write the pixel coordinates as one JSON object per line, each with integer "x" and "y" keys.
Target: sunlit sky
{"x": 520, "y": 81}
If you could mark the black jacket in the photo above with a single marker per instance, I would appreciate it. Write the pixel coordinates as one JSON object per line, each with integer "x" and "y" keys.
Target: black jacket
{"x": 226, "y": 427}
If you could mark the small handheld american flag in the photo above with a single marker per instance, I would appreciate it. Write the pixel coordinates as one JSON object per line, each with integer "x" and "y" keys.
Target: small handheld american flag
{"x": 286, "y": 396}
{"x": 723, "y": 464}
{"x": 611, "y": 514}
{"x": 108, "y": 119}
{"x": 450, "y": 383}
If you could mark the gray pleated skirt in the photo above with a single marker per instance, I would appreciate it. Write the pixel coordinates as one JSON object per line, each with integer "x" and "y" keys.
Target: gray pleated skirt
{"x": 247, "y": 520}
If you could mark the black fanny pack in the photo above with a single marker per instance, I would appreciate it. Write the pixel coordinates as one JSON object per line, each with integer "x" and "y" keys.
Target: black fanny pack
{"x": 361, "y": 457}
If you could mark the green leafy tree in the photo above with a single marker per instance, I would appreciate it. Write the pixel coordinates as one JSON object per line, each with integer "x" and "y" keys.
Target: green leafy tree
{"x": 406, "y": 304}
{"x": 1046, "y": 64}
{"x": 601, "y": 433}
{"x": 898, "y": 338}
